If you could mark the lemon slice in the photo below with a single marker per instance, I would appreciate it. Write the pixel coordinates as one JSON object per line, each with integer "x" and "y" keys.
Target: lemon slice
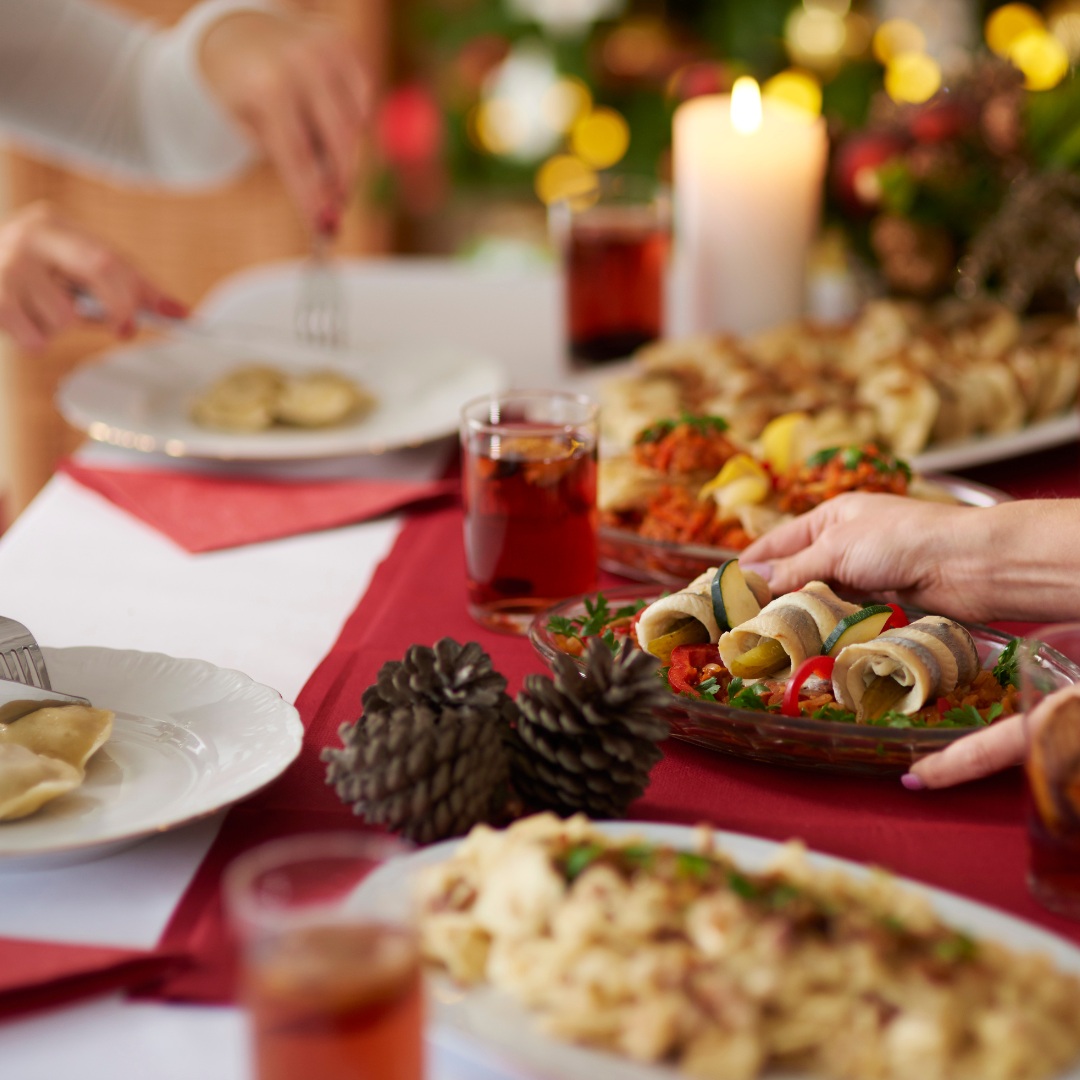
{"x": 741, "y": 482}
{"x": 782, "y": 440}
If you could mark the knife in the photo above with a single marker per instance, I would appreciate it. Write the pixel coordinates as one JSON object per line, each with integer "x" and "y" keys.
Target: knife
{"x": 17, "y": 699}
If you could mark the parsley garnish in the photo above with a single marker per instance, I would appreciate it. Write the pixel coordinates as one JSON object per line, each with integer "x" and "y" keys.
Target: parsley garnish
{"x": 741, "y": 885}
{"x": 955, "y": 949}
{"x": 595, "y": 622}
{"x": 834, "y": 712}
{"x": 703, "y": 425}
{"x": 747, "y": 697}
{"x": 852, "y": 456}
{"x": 695, "y": 866}
{"x": 709, "y": 688}
{"x": 579, "y": 858}
{"x": 969, "y": 716}
{"x": 1005, "y": 670}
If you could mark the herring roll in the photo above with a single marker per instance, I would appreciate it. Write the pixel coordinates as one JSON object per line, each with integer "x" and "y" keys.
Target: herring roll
{"x": 785, "y": 632}
{"x": 905, "y": 668}
{"x": 685, "y": 617}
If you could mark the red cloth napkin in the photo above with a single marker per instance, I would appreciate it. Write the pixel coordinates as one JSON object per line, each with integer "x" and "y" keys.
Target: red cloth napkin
{"x": 38, "y": 973}
{"x": 970, "y": 839}
{"x": 206, "y": 513}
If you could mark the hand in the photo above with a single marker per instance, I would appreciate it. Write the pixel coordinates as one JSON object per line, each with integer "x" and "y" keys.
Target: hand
{"x": 45, "y": 261}
{"x": 297, "y": 87}
{"x": 914, "y": 552}
{"x": 972, "y": 757}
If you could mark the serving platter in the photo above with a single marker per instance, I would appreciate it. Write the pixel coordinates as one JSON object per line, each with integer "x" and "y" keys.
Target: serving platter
{"x": 484, "y": 1026}
{"x": 189, "y": 739}
{"x": 140, "y": 398}
{"x": 774, "y": 739}
{"x": 666, "y": 562}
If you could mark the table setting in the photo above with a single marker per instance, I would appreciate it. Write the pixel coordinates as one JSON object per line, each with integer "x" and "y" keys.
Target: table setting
{"x": 444, "y": 735}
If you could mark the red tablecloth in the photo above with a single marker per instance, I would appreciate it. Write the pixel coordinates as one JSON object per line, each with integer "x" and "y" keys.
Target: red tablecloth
{"x": 971, "y": 839}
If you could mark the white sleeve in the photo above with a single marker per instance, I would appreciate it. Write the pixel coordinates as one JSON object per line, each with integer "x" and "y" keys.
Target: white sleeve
{"x": 85, "y": 85}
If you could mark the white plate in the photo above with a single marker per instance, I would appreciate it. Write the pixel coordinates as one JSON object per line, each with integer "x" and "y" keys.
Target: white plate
{"x": 189, "y": 739}
{"x": 488, "y": 1027}
{"x": 140, "y": 397}
{"x": 986, "y": 448}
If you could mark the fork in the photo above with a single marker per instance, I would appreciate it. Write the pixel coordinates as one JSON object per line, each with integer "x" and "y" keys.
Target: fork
{"x": 20, "y": 657}
{"x": 319, "y": 318}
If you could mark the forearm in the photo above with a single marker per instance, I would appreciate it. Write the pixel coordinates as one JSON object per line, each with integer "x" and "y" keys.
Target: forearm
{"x": 89, "y": 86}
{"x": 1026, "y": 560}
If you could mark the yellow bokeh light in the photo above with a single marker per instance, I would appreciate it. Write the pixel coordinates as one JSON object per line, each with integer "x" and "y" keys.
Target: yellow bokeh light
{"x": 815, "y": 37}
{"x": 796, "y": 88}
{"x": 600, "y": 138}
{"x": 565, "y": 103}
{"x": 912, "y": 78}
{"x": 565, "y": 177}
{"x": 1006, "y": 25}
{"x": 492, "y": 123}
{"x": 1064, "y": 24}
{"x": 1042, "y": 59}
{"x": 896, "y": 37}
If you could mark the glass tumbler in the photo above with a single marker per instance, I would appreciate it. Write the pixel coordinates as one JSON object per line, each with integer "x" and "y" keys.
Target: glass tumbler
{"x": 330, "y": 968}
{"x": 1049, "y": 661}
{"x": 529, "y": 462}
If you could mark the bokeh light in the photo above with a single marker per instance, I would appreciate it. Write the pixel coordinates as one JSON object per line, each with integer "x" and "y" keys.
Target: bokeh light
{"x": 600, "y": 138}
{"x": 815, "y": 37}
{"x": 1042, "y": 59}
{"x": 1006, "y": 25}
{"x": 1063, "y": 21}
{"x": 636, "y": 48}
{"x": 895, "y": 38}
{"x": 565, "y": 177}
{"x": 565, "y": 102}
{"x": 508, "y": 122}
{"x": 798, "y": 89}
{"x": 912, "y": 78}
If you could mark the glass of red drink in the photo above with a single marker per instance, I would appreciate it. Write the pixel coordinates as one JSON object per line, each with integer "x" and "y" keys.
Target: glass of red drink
{"x": 330, "y": 971}
{"x": 528, "y": 462}
{"x": 614, "y": 240}
{"x": 1051, "y": 703}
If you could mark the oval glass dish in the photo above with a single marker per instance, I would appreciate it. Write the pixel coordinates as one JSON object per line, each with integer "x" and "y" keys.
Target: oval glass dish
{"x": 668, "y": 562}
{"x": 805, "y": 742}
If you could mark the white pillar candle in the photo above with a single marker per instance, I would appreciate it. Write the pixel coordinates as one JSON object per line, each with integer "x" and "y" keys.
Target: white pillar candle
{"x": 748, "y": 177}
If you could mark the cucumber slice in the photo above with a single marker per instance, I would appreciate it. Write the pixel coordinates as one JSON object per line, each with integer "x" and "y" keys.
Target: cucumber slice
{"x": 732, "y": 601}
{"x": 862, "y": 625}
{"x": 763, "y": 659}
{"x": 686, "y": 631}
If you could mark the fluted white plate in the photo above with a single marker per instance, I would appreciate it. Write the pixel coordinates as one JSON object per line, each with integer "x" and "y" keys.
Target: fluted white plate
{"x": 140, "y": 397}
{"x": 486, "y": 1026}
{"x": 189, "y": 739}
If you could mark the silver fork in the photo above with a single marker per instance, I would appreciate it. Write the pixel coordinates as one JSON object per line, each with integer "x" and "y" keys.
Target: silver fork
{"x": 20, "y": 657}
{"x": 319, "y": 318}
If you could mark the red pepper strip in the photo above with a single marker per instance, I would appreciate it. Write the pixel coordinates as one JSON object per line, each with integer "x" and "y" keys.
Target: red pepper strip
{"x": 943, "y": 705}
{"x": 686, "y": 664}
{"x": 812, "y": 665}
{"x": 896, "y": 619}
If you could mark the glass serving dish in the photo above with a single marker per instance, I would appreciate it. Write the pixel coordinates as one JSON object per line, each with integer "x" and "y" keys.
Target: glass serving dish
{"x": 828, "y": 745}
{"x": 667, "y": 562}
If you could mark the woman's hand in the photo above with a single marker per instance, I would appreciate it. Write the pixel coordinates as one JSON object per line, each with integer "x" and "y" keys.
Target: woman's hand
{"x": 296, "y": 85}
{"x": 972, "y": 757}
{"x": 915, "y": 552}
{"x": 45, "y": 261}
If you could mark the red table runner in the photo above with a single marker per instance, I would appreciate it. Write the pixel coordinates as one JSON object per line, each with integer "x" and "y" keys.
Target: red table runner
{"x": 971, "y": 839}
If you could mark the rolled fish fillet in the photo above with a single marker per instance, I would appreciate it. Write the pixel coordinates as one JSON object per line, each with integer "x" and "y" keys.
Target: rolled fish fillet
{"x": 925, "y": 659}
{"x": 695, "y": 602}
{"x": 799, "y": 621}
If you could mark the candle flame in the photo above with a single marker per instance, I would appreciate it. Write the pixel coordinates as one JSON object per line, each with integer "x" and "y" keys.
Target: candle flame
{"x": 745, "y": 105}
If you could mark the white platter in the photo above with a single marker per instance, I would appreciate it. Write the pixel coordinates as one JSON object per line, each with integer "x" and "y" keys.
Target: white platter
{"x": 489, "y": 1028}
{"x": 983, "y": 449}
{"x": 189, "y": 739}
{"x": 140, "y": 397}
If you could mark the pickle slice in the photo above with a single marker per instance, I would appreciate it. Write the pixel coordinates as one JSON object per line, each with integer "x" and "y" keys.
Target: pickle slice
{"x": 763, "y": 659}
{"x": 686, "y": 631}
{"x": 881, "y": 695}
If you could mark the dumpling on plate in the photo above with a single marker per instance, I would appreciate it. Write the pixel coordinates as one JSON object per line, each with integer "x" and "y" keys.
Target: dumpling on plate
{"x": 320, "y": 399}
{"x": 69, "y": 733}
{"x": 242, "y": 400}
{"x": 29, "y": 780}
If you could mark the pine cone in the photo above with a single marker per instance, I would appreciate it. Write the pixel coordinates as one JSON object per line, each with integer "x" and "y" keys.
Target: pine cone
{"x": 448, "y": 674}
{"x": 425, "y": 772}
{"x": 589, "y": 743}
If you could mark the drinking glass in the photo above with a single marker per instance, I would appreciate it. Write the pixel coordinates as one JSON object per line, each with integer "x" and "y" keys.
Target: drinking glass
{"x": 614, "y": 241}
{"x": 1049, "y": 661}
{"x": 529, "y": 491}
{"x": 330, "y": 969}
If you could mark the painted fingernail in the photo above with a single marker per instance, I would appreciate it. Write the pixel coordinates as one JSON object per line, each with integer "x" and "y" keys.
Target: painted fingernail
{"x": 127, "y": 329}
{"x": 762, "y": 569}
{"x": 329, "y": 220}
{"x": 913, "y": 782}
{"x": 172, "y": 309}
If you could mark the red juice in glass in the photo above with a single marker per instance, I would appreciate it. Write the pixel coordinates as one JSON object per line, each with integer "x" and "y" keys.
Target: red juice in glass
{"x": 615, "y": 265}
{"x": 529, "y": 492}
